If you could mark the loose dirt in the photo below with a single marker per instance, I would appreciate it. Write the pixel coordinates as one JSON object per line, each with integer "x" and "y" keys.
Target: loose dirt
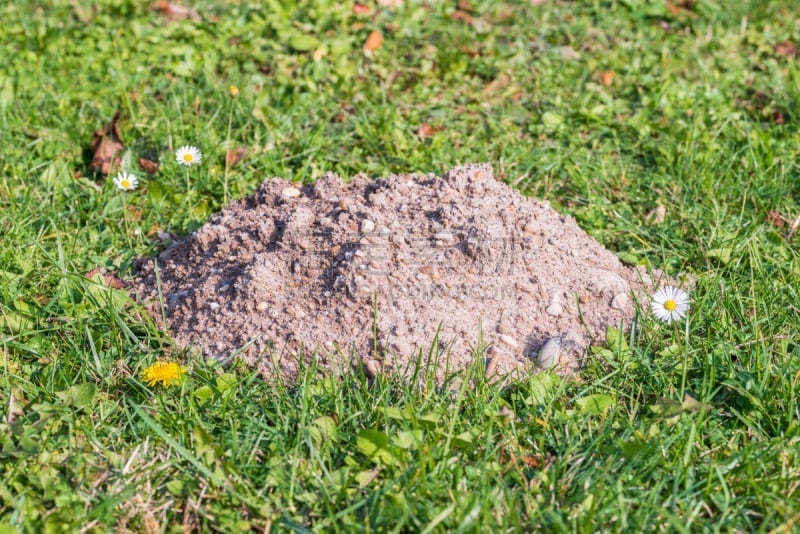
{"x": 372, "y": 272}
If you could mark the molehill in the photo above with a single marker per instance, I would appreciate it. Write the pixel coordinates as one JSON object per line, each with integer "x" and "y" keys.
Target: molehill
{"x": 391, "y": 273}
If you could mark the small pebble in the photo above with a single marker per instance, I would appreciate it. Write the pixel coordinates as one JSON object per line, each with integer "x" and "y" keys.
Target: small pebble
{"x": 491, "y": 365}
{"x": 450, "y": 196}
{"x": 549, "y": 354}
{"x": 510, "y": 341}
{"x": 367, "y": 226}
{"x": 213, "y": 306}
{"x": 290, "y": 192}
{"x": 443, "y": 236}
{"x": 372, "y": 368}
{"x": 554, "y": 309}
{"x": 620, "y": 301}
{"x": 262, "y": 306}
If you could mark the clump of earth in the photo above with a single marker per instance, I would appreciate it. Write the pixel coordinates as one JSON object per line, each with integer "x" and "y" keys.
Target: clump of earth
{"x": 389, "y": 274}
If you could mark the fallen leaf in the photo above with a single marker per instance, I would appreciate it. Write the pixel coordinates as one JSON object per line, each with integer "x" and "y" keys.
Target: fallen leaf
{"x": 537, "y": 2}
{"x": 607, "y": 77}
{"x": 657, "y": 215}
{"x": 471, "y": 52}
{"x": 361, "y": 9}
{"x": 150, "y": 167}
{"x": 84, "y": 14}
{"x": 173, "y": 13}
{"x": 464, "y": 5}
{"x": 775, "y": 219}
{"x": 786, "y": 49}
{"x": 232, "y": 157}
{"x": 106, "y": 146}
{"x": 108, "y": 279}
{"x": 374, "y": 41}
{"x": 426, "y": 130}
{"x": 462, "y": 16}
{"x": 569, "y": 53}
{"x": 681, "y": 7}
{"x": 390, "y": 3}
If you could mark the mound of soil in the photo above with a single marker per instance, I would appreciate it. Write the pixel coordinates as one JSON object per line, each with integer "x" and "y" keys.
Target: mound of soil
{"x": 372, "y": 272}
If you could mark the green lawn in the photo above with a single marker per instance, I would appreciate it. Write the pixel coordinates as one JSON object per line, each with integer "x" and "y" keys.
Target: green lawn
{"x": 700, "y": 117}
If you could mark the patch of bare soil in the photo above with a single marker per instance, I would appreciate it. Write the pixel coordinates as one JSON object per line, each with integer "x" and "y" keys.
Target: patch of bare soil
{"x": 368, "y": 272}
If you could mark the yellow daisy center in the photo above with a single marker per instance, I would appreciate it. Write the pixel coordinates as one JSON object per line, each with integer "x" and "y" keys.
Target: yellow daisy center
{"x": 670, "y": 305}
{"x": 188, "y": 157}
{"x": 125, "y": 183}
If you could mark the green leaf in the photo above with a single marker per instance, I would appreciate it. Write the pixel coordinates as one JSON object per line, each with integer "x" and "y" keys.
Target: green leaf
{"x": 78, "y": 396}
{"x": 323, "y": 428}
{"x": 672, "y": 350}
{"x": 203, "y": 394}
{"x": 375, "y": 445}
{"x": 552, "y": 120}
{"x": 465, "y": 439}
{"x": 690, "y": 404}
{"x": 666, "y": 407}
{"x": 616, "y": 339}
{"x": 721, "y": 254}
{"x": 14, "y": 323}
{"x": 541, "y": 388}
{"x": 594, "y": 404}
{"x": 175, "y": 487}
{"x": 303, "y": 43}
{"x": 408, "y": 439}
{"x": 430, "y": 419}
{"x": 225, "y": 381}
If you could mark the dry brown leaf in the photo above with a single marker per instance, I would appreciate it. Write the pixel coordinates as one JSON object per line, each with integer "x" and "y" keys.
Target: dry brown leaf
{"x": 390, "y": 3}
{"x": 680, "y": 7}
{"x": 426, "y": 130}
{"x": 607, "y": 77}
{"x": 361, "y": 9}
{"x": 498, "y": 83}
{"x": 786, "y": 49}
{"x": 471, "y": 52}
{"x": 84, "y": 14}
{"x": 374, "y": 41}
{"x": 775, "y": 218}
{"x": 109, "y": 279}
{"x": 233, "y": 157}
{"x": 657, "y": 215}
{"x": 173, "y": 13}
{"x": 569, "y": 53}
{"x": 106, "y": 146}
{"x": 150, "y": 167}
{"x": 462, "y": 16}
{"x": 464, "y": 5}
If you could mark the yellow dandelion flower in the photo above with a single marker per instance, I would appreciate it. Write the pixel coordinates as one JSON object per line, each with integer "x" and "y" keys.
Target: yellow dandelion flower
{"x": 233, "y": 91}
{"x": 164, "y": 373}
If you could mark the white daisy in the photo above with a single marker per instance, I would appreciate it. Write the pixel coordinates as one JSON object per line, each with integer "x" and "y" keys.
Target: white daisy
{"x": 670, "y": 304}
{"x": 126, "y": 181}
{"x": 188, "y": 155}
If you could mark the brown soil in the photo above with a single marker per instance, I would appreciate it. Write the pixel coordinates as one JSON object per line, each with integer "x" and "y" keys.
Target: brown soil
{"x": 367, "y": 272}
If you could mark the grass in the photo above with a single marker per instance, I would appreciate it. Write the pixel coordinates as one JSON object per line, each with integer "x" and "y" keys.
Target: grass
{"x": 701, "y": 117}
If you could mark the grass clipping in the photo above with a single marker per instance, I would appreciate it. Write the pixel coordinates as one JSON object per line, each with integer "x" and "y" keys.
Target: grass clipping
{"x": 391, "y": 274}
